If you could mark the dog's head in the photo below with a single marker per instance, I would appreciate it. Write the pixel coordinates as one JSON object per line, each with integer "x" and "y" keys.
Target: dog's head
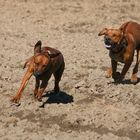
{"x": 112, "y": 37}
{"x": 41, "y": 60}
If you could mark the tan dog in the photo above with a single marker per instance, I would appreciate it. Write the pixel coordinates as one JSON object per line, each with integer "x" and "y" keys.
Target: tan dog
{"x": 121, "y": 44}
{"x": 45, "y": 62}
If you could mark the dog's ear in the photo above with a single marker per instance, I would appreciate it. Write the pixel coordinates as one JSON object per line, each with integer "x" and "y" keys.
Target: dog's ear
{"x": 25, "y": 64}
{"x": 37, "y": 48}
{"x": 103, "y": 32}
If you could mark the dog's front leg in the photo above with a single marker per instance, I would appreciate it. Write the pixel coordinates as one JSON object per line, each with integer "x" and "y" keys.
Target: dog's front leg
{"x": 114, "y": 69}
{"x": 37, "y": 84}
{"x": 41, "y": 89}
{"x": 25, "y": 80}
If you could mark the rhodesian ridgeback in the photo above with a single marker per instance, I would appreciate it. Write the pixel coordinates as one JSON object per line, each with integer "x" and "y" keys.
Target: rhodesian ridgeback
{"x": 122, "y": 44}
{"x": 45, "y": 62}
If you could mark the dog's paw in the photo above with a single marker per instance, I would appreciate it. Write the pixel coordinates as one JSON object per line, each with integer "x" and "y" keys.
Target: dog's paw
{"x": 108, "y": 73}
{"x": 118, "y": 77}
{"x": 15, "y": 100}
{"x": 134, "y": 79}
{"x": 38, "y": 97}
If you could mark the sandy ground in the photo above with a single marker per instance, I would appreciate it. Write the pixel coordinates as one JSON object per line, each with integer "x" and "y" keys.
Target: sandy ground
{"x": 90, "y": 107}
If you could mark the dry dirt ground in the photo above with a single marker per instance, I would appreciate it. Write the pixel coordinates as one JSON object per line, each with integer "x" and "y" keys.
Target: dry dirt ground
{"x": 90, "y": 107}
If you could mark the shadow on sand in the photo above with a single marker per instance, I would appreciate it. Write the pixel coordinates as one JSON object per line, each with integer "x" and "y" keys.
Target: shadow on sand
{"x": 125, "y": 82}
{"x": 61, "y": 97}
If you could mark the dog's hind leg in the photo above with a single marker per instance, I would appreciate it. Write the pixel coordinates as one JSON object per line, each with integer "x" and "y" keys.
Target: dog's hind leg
{"x": 57, "y": 76}
{"x": 134, "y": 78}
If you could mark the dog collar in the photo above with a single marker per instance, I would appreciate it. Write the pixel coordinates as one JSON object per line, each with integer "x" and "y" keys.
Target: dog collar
{"x": 48, "y": 66}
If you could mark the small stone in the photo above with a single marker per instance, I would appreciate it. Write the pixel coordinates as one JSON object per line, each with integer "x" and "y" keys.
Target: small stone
{"x": 69, "y": 131}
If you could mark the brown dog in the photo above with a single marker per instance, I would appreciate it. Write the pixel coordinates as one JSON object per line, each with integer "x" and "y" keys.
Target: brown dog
{"x": 121, "y": 44}
{"x": 45, "y": 62}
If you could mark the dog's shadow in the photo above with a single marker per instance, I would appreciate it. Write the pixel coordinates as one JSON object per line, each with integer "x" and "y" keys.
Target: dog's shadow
{"x": 61, "y": 97}
{"x": 126, "y": 82}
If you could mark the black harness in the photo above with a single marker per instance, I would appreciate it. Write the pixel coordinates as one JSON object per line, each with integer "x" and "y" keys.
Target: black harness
{"x": 51, "y": 55}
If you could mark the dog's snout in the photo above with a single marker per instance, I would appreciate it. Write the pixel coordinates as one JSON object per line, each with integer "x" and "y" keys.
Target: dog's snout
{"x": 107, "y": 40}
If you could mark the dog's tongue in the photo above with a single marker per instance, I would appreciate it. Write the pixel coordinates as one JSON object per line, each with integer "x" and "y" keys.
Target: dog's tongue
{"x": 108, "y": 46}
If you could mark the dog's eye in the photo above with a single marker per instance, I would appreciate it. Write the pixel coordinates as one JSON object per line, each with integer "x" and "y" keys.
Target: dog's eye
{"x": 44, "y": 65}
{"x": 36, "y": 64}
{"x": 113, "y": 35}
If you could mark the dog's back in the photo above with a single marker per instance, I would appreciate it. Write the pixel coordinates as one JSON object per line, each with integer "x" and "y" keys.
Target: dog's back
{"x": 51, "y": 51}
{"x": 56, "y": 57}
{"x": 134, "y": 29}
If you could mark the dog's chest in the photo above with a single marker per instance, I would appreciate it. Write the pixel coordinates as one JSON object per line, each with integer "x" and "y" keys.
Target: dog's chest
{"x": 46, "y": 75}
{"x": 118, "y": 57}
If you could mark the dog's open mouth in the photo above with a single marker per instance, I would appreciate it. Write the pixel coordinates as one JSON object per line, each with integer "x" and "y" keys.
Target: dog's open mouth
{"x": 107, "y": 46}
